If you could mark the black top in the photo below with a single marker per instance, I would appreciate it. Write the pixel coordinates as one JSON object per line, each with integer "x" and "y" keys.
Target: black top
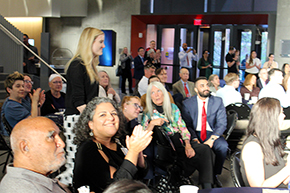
{"x": 269, "y": 169}
{"x": 52, "y": 104}
{"x": 230, "y": 58}
{"x": 93, "y": 170}
{"x": 79, "y": 90}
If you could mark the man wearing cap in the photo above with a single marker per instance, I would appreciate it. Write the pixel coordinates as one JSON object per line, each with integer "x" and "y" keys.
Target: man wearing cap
{"x": 55, "y": 99}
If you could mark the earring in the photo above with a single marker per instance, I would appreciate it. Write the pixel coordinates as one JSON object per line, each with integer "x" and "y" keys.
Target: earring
{"x": 91, "y": 133}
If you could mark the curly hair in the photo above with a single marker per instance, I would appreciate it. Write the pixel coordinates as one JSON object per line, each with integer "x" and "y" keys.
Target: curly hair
{"x": 82, "y": 129}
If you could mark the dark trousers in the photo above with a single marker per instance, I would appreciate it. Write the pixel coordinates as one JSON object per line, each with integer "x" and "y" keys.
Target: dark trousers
{"x": 127, "y": 75}
{"x": 220, "y": 148}
{"x": 202, "y": 161}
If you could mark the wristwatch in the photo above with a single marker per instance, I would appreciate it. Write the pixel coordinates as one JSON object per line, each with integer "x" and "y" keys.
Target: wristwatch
{"x": 213, "y": 139}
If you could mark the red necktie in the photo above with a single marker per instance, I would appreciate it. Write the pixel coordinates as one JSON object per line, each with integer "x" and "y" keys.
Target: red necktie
{"x": 187, "y": 60}
{"x": 203, "y": 123}
{"x": 186, "y": 91}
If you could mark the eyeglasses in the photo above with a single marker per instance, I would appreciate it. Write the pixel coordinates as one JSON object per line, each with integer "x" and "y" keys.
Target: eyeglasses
{"x": 28, "y": 81}
{"x": 137, "y": 106}
{"x": 57, "y": 82}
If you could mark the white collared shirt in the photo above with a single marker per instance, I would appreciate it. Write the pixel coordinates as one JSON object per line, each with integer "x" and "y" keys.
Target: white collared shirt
{"x": 276, "y": 91}
{"x": 229, "y": 95}
{"x": 183, "y": 59}
{"x": 199, "y": 117}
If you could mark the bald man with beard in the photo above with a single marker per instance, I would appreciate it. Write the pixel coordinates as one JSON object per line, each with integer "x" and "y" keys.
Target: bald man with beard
{"x": 38, "y": 151}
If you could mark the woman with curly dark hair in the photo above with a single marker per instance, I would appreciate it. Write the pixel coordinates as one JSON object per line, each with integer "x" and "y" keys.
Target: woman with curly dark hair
{"x": 101, "y": 158}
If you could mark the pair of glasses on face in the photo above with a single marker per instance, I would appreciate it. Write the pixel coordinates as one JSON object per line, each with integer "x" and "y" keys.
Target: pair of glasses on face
{"x": 28, "y": 81}
{"x": 57, "y": 82}
{"x": 137, "y": 106}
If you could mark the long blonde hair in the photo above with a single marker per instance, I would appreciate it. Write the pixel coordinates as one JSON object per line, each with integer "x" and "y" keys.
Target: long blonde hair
{"x": 85, "y": 54}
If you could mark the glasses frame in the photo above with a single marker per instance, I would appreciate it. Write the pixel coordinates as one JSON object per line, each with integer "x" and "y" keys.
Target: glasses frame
{"x": 28, "y": 81}
{"x": 136, "y": 106}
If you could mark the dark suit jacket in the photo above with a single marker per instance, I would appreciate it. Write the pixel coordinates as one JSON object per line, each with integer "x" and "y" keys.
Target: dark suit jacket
{"x": 138, "y": 68}
{"x": 259, "y": 83}
{"x": 216, "y": 115}
{"x": 178, "y": 87}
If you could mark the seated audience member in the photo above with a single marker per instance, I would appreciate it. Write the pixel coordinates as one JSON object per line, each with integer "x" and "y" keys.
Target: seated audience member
{"x": 38, "y": 151}
{"x": 157, "y": 59}
{"x": 149, "y": 70}
{"x": 131, "y": 107}
{"x": 214, "y": 83}
{"x": 206, "y": 119}
{"x": 249, "y": 86}
{"x": 15, "y": 108}
{"x": 150, "y": 59}
{"x": 54, "y": 98}
{"x": 274, "y": 88}
{"x": 127, "y": 186}
{"x": 183, "y": 86}
{"x": 270, "y": 63}
{"x": 105, "y": 88}
{"x": 285, "y": 68}
{"x": 263, "y": 78}
{"x": 228, "y": 93}
{"x": 262, "y": 163}
{"x": 162, "y": 75}
{"x": 28, "y": 83}
{"x": 160, "y": 112}
{"x": 143, "y": 97}
{"x": 286, "y": 84}
{"x": 100, "y": 158}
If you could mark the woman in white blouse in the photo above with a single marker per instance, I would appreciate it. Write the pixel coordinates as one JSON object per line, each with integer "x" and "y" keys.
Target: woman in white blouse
{"x": 253, "y": 64}
{"x": 105, "y": 88}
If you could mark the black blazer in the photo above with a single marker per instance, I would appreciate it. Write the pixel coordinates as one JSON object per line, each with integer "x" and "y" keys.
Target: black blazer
{"x": 138, "y": 68}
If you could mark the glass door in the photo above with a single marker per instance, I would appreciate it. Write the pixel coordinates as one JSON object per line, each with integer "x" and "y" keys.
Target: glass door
{"x": 188, "y": 35}
{"x": 245, "y": 43}
{"x": 221, "y": 36}
{"x": 166, "y": 43}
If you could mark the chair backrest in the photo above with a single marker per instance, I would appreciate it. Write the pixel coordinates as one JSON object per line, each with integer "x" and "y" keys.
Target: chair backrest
{"x": 235, "y": 169}
{"x": 243, "y": 110}
{"x": 7, "y": 126}
{"x": 232, "y": 117}
{"x": 287, "y": 112}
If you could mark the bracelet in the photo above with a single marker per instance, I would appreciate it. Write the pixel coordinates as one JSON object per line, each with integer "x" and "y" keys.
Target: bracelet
{"x": 39, "y": 105}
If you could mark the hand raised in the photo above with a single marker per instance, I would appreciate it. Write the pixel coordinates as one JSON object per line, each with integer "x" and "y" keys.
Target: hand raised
{"x": 139, "y": 139}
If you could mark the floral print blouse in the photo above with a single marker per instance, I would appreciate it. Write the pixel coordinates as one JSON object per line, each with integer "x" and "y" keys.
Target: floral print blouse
{"x": 175, "y": 126}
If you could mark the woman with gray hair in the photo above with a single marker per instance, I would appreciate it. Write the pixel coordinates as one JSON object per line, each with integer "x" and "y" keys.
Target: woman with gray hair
{"x": 160, "y": 112}
{"x": 126, "y": 64}
{"x": 101, "y": 159}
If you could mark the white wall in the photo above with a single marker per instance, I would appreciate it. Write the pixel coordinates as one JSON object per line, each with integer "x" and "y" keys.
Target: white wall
{"x": 282, "y": 29}
{"x": 109, "y": 14}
